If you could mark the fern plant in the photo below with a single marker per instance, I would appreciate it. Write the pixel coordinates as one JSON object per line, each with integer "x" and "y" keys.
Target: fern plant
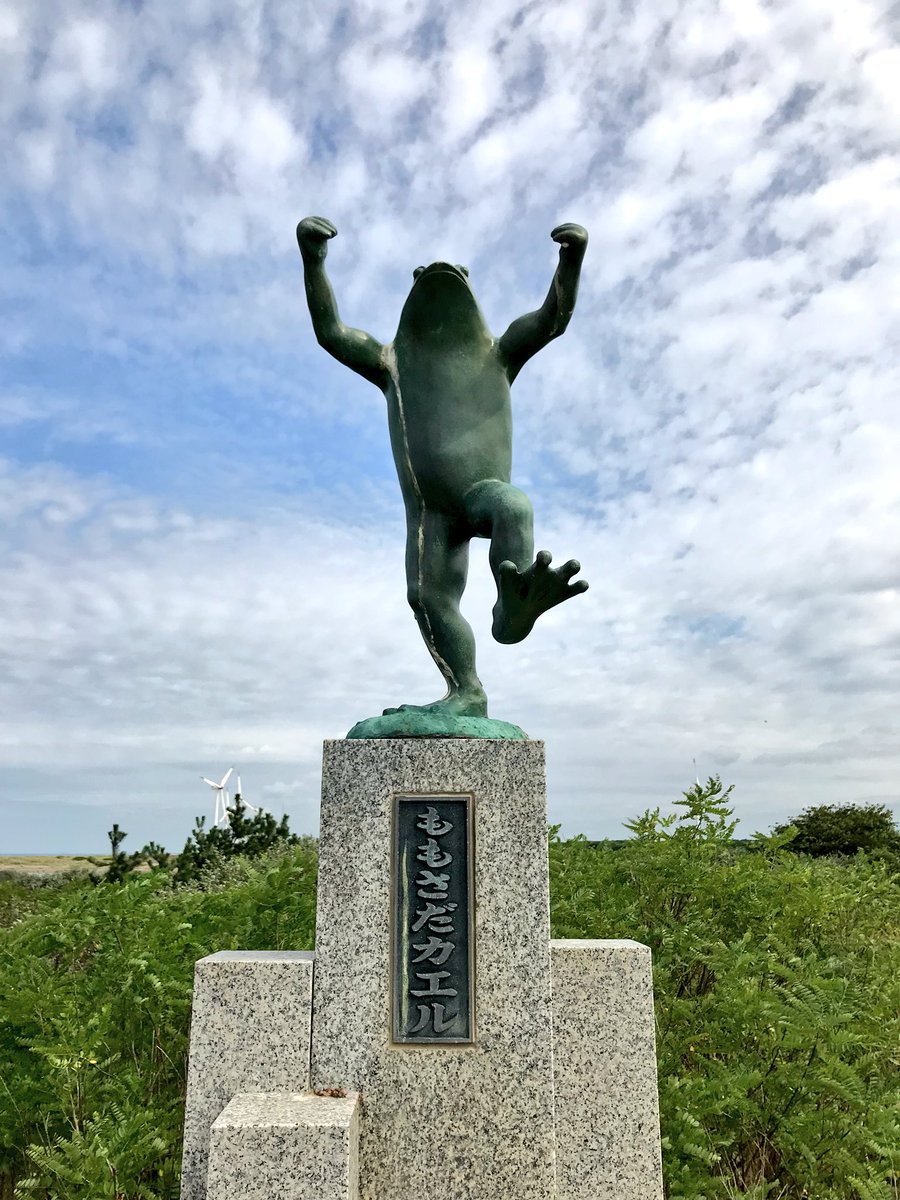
{"x": 101, "y": 1158}
{"x": 777, "y": 985}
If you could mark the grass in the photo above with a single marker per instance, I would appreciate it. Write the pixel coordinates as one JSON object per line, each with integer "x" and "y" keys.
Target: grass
{"x": 45, "y": 864}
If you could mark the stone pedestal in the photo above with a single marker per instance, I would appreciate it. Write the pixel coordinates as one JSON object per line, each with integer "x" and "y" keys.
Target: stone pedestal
{"x": 604, "y": 1071}
{"x": 529, "y": 1096}
{"x": 281, "y": 1146}
{"x": 249, "y": 1032}
{"x": 473, "y": 1121}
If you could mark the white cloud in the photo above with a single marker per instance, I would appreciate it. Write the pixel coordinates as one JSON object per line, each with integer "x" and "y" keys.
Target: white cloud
{"x": 82, "y": 65}
{"x": 715, "y": 437}
{"x": 381, "y": 86}
{"x": 240, "y": 125}
{"x": 471, "y": 90}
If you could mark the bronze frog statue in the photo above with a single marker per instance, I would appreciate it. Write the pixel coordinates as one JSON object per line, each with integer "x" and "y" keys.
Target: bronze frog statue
{"x": 447, "y": 382}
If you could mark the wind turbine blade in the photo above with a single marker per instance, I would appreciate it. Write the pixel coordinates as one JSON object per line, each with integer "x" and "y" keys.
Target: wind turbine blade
{"x": 227, "y": 776}
{"x": 209, "y": 781}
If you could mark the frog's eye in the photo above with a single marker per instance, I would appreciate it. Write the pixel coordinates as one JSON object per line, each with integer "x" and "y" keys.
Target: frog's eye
{"x": 465, "y": 270}
{"x": 417, "y": 272}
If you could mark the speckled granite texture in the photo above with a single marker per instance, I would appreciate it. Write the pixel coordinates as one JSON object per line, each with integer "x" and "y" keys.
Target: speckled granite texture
{"x": 250, "y": 1028}
{"x": 279, "y": 1146}
{"x": 462, "y": 1123}
{"x": 607, "y": 1108}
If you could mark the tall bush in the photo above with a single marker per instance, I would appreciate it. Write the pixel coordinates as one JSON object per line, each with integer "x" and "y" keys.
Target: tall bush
{"x": 242, "y": 836}
{"x": 844, "y": 829}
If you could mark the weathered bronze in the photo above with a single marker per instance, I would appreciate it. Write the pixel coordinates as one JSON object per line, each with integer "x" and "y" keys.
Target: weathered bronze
{"x": 447, "y": 383}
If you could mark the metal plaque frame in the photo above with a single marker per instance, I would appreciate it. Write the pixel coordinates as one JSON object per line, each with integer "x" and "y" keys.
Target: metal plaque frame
{"x": 418, "y": 834}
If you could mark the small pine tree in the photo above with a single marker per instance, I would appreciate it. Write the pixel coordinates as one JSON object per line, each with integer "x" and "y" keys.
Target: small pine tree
{"x": 120, "y": 863}
{"x": 156, "y": 856}
{"x": 243, "y": 835}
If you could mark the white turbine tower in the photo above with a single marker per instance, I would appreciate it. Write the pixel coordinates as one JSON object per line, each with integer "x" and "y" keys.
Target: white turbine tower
{"x": 221, "y": 796}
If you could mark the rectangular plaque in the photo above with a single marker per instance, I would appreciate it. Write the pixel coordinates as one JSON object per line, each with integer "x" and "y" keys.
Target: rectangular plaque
{"x": 433, "y": 942}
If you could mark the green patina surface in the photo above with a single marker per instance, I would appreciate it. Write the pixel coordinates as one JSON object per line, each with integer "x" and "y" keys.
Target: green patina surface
{"x": 446, "y": 380}
{"x": 408, "y": 723}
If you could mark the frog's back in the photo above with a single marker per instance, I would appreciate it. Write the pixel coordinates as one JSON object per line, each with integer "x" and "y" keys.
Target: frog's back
{"x": 450, "y": 416}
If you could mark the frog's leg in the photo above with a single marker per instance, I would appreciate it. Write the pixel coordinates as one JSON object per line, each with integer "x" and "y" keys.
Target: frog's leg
{"x": 437, "y": 563}
{"x": 525, "y": 589}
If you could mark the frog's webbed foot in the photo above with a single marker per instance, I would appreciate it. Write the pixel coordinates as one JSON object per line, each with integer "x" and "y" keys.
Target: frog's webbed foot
{"x": 523, "y": 595}
{"x": 473, "y": 704}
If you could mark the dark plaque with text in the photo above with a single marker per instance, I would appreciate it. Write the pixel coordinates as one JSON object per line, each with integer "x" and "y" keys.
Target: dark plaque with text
{"x": 433, "y": 943}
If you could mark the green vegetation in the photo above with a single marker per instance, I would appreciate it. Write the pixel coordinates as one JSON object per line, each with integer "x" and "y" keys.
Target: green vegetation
{"x": 117, "y": 864}
{"x": 830, "y": 829}
{"x": 777, "y": 982}
{"x": 207, "y": 850}
{"x": 95, "y": 993}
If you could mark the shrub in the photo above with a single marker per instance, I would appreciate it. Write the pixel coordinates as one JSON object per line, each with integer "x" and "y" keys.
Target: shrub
{"x": 777, "y": 981}
{"x": 117, "y": 864}
{"x": 842, "y": 829}
{"x": 242, "y": 837}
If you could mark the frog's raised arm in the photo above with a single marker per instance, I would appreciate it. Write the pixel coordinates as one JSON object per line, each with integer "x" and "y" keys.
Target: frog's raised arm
{"x": 352, "y": 347}
{"x": 528, "y": 334}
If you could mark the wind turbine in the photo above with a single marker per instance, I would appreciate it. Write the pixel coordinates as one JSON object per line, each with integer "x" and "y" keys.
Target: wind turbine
{"x": 246, "y": 803}
{"x": 221, "y": 796}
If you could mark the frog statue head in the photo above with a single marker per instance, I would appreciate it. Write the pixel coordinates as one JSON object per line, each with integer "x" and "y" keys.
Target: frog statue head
{"x": 441, "y": 306}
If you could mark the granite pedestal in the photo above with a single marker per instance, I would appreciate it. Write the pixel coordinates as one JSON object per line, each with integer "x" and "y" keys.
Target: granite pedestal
{"x": 456, "y": 1121}
{"x": 554, "y": 1097}
{"x": 250, "y": 1025}
{"x": 604, "y": 1071}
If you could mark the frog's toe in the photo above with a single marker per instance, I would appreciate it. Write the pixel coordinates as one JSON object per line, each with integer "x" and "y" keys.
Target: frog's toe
{"x": 523, "y": 595}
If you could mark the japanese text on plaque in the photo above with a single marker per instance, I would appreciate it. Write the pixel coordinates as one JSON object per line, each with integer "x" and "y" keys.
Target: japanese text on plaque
{"x": 433, "y": 936}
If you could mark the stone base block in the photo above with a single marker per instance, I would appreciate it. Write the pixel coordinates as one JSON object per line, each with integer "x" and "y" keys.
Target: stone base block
{"x": 604, "y": 1071}
{"x": 279, "y": 1146}
{"x": 250, "y": 1030}
{"x": 460, "y": 1122}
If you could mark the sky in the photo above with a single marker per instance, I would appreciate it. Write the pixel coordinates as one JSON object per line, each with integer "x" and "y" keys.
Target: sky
{"x": 201, "y": 531}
